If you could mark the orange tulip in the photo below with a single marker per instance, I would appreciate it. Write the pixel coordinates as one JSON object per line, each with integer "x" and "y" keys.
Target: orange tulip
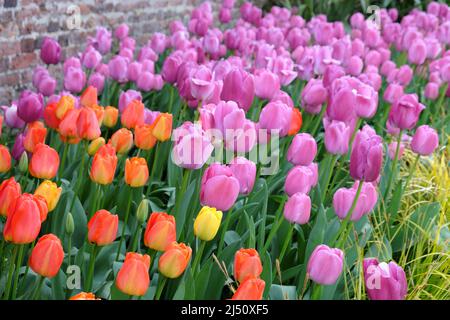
{"x": 44, "y": 162}
{"x": 160, "y": 231}
{"x": 104, "y": 165}
{"x": 133, "y": 278}
{"x": 133, "y": 114}
{"x": 162, "y": 126}
{"x": 296, "y": 122}
{"x": 122, "y": 140}
{"x": 247, "y": 264}
{"x": 102, "y": 228}
{"x": 250, "y": 289}
{"x": 50, "y": 116}
{"x": 143, "y": 137}
{"x": 65, "y": 104}
{"x": 110, "y": 117}
{"x": 87, "y": 124}
{"x": 1, "y": 124}
{"x": 99, "y": 113}
{"x": 5, "y": 159}
{"x": 68, "y": 126}
{"x": 84, "y": 296}
{"x": 47, "y": 256}
{"x": 35, "y": 134}
{"x": 9, "y": 191}
{"x": 42, "y": 205}
{"x": 136, "y": 172}
{"x": 174, "y": 260}
{"x": 24, "y": 220}
{"x": 89, "y": 97}
{"x": 95, "y": 145}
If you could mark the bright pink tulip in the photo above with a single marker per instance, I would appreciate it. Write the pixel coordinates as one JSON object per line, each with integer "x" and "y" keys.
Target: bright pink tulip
{"x": 405, "y": 111}
{"x": 298, "y": 208}
{"x": 50, "y": 51}
{"x": 238, "y": 86}
{"x": 337, "y": 136}
{"x": 299, "y": 179}
{"x": 384, "y": 281}
{"x": 245, "y": 171}
{"x": 313, "y": 96}
{"x": 302, "y": 150}
{"x": 425, "y": 140}
{"x": 267, "y": 84}
{"x": 325, "y": 264}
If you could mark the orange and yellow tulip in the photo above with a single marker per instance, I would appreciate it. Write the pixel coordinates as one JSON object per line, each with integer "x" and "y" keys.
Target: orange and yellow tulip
{"x": 136, "y": 172}
{"x": 122, "y": 140}
{"x": 133, "y": 277}
{"x": 50, "y": 192}
{"x": 84, "y": 296}
{"x": 160, "y": 231}
{"x": 68, "y": 126}
{"x": 95, "y": 145}
{"x": 133, "y": 114}
{"x": 89, "y": 97}
{"x": 174, "y": 260}
{"x": 247, "y": 264}
{"x": 50, "y": 118}
{"x": 250, "y": 289}
{"x": 143, "y": 137}
{"x": 162, "y": 127}
{"x": 47, "y": 256}
{"x": 110, "y": 117}
{"x": 87, "y": 124}
{"x": 64, "y": 105}
{"x": 5, "y": 159}
{"x": 102, "y": 228}
{"x": 104, "y": 165}
{"x": 35, "y": 134}
{"x": 44, "y": 163}
{"x": 9, "y": 191}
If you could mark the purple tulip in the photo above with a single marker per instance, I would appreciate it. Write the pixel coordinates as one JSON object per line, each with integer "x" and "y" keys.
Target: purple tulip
{"x": 12, "y": 120}
{"x": 425, "y": 140}
{"x": 126, "y": 97}
{"x": 337, "y": 136}
{"x": 225, "y": 15}
{"x": 121, "y": 31}
{"x": 170, "y": 67}
{"x": 192, "y": 147}
{"x": 30, "y": 106}
{"x": 118, "y": 67}
{"x": 103, "y": 40}
{"x": 146, "y": 81}
{"x": 147, "y": 53}
{"x": 158, "y": 42}
{"x": 50, "y": 51}
{"x": 417, "y": 52}
{"x": 405, "y": 112}
{"x": 298, "y": 208}
{"x": 432, "y": 91}
{"x": 74, "y": 80}
{"x": 343, "y": 200}
{"x": 201, "y": 83}
{"x": 134, "y": 70}
{"x": 71, "y": 62}
{"x": 97, "y": 80}
{"x": 302, "y": 150}
{"x": 91, "y": 58}
{"x": 325, "y": 264}
{"x": 47, "y": 86}
{"x": 299, "y": 179}
{"x": 384, "y": 281}
{"x": 267, "y": 84}
{"x": 245, "y": 171}
{"x": 367, "y": 155}
{"x": 18, "y": 149}
{"x": 313, "y": 96}
{"x": 238, "y": 86}
{"x": 219, "y": 187}
{"x": 393, "y": 92}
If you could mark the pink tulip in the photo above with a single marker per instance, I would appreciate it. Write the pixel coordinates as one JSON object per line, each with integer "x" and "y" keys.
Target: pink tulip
{"x": 267, "y": 84}
{"x": 405, "y": 111}
{"x": 276, "y": 116}
{"x": 74, "y": 79}
{"x": 302, "y": 150}
{"x": 118, "y": 67}
{"x": 91, "y": 58}
{"x": 417, "y": 52}
{"x": 337, "y": 137}
{"x": 201, "y": 83}
{"x": 342, "y": 203}
{"x": 50, "y": 51}
{"x": 325, "y": 265}
{"x": 97, "y": 80}
{"x": 298, "y": 208}
{"x": 313, "y": 96}
{"x": 299, "y": 179}
{"x": 384, "y": 281}
{"x": 245, "y": 171}
{"x": 121, "y": 31}
{"x": 238, "y": 86}
{"x": 425, "y": 140}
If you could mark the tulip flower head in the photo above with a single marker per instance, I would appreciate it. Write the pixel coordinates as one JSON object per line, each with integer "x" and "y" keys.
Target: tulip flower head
{"x": 174, "y": 260}
{"x": 133, "y": 278}
{"x": 47, "y": 256}
{"x": 207, "y": 223}
{"x": 160, "y": 231}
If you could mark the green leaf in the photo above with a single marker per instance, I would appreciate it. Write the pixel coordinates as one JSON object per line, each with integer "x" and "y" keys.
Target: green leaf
{"x": 278, "y": 292}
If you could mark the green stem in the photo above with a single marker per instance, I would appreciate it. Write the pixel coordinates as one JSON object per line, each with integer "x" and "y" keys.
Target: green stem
{"x": 198, "y": 256}
{"x": 180, "y": 192}
{"x": 80, "y": 176}
{"x": 319, "y": 119}
{"x": 69, "y": 250}
{"x": 287, "y": 239}
{"x": 10, "y": 273}
{"x": 90, "y": 276}
{"x": 161, "y": 284}
{"x": 63, "y": 162}
{"x": 136, "y": 236}
{"x": 18, "y": 265}
{"x": 127, "y": 213}
{"x": 411, "y": 172}
{"x": 224, "y": 230}
{"x": 328, "y": 172}
{"x": 37, "y": 290}
{"x": 317, "y": 292}
{"x": 277, "y": 223}
{"x": 394, "y": 166}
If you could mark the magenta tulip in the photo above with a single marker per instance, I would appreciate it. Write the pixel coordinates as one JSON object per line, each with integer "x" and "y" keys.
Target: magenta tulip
{"x": 384, "y": 281}
{"x": 50, "y": 51}
{"x": 425, "y": 140}
{"x": 298, "y": 208}
{"x": 245, "y": 171}
{"x": 325, "y": 264}
{"x": 405, "y": 111}
{"x": 302, "y": 150}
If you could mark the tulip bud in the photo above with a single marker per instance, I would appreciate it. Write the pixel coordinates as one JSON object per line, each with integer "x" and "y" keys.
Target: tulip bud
{"x": 95, "y": 145}
{"x": 47, "y": 256}
{"x": 425, "y": 140}
{"x": 298, "y": 208}
{"x": 160, "y": 231}
{"x": 247, "y": 264}
{"x": 110, "y": 117}
{"x": 23, "y": 162}
{"x": 133, "y": 278}
{"x": 102, "y": 228}
{"x": 136, "y": 172}
{"x": 302, "y": 150}
{"x": 104, "y": 165}
{"x": 325, "y": 264}
{"x": 50, "y": 192}
{"x": 207, "y": 223}
{"x": 70, "y": 225}
{"x": 44, "y": 163}
{"x": 384, "y": 281}
{"x": 142, "y": 211}
{"x": 251, "y": 289}
{"x": 174, "y": 260}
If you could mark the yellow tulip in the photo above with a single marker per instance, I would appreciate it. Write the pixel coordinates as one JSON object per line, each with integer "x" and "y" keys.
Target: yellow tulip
{"x": 50, "y": 192}
{"x": 207, "y": 223}
{"x": 95, "y": 145}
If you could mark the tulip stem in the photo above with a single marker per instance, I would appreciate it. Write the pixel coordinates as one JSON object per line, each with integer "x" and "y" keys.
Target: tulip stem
{"x": 136, "y": 236}
{"x": 319, "y": 119}
{"x": 347, "y": 217}
{"x": 16, "y": 276}
{"x": 224, "y": 230}
{"x": 37, "y": 290}
{"x": 286, "y": 242}
{"x": 198, "y": 256}
{"x": 80, "y": 176}
{"x": 90, "y": 276}
{"x": 10, "y": 273}
{"x": 316, "y": 292}
{"x": 411, "y": 171}
{"x": 394, "y": 166}
{"x": 180, "y": 192}
{"x": 69, "y": 249}
{"x": 328, "y": 177}
{"x": 127, "y": 213}
{"x": 277, "y": 223}
{"x": 161, "y": 283}
{"x": 63, "y": 162}
{"x": 352, "y": 139}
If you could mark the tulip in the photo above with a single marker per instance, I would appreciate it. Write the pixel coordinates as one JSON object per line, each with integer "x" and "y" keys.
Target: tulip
{"x": 136, "y": 172}
{"x": 251, "y": 289}
{"x": 35, "y": 134}
{"x": 369, "y": 191}
{"x": 50, "y": 51}
{"x": 88, "y": 126}
{"x": 192, "y": 147}
{"x": 313, "y": 96}
{"x": 337, "y": 137}
{"x": 405, "y": 111}
{"x": 299, "y": 179}
{"x": 12, "y": 120}
{"x": 49, "y": 116}
{"x": 44, "y": 162}
{"x": 143, "y": 137}
{"x": 367, "y": 155}
{"x": 266, "y": 84}
{"x": 207, "y": 223}
{"x": 126, "y": 97}
{"x": 162, "y": 127}
{"x": 104, "y": 165}
{"x": 74, "y": 79}
{"x": 296, "y": 122}
{"x": 64, "y": 105}
{"x": 5, "y": 159}
{"x": 97, "y": 80}
{"x": 46, "y": 86}
{"x": 425, "y": 140}
{"x": 50, "y": 192}
{"x": 30, "y": 106}
{"x": 10, "y": 190}
{"x": 298, "y": 208}
{"x": 219, "y": 187}
{"x": 84, "y": 296}
{"x": 18, "y": 148}
{"x": 118, "y": 67}
{"x": 247, "y": 265}
{"x": 160, "y": 231}
{"x": 47, "y": 256}
{"x": 343, "y": 200}
{"x": 245, "y": 172}
{"x": 276, "y": 116}
{"x": 393, "y": 92}
{"x": 384, "y": 281}
{"x": 133, "y": 278}
{"x": 174, "y": 260}
{"x": 122, "y": 140}
{"x": 121, "y": 31}
{"x": 432, "y": 91}
{"x": 201, "y": 83}
{"x": 133, "y": 114}
{"x": 111, "y": 116}
{"x": 238, "y": 86}
{"x": 417, "y": 52}
{"x": 325, "y": 264}
{"x": 89, "y": 97}
{"x": 302, "y": 150}
{"x": 392, "y": 149}
{"x": 95, "y": 145}
{"x": 102, "y": 228}
{"x": 146, "y": 81}
{"x": 24, "y": 220}
{"x": 68, "y": 128}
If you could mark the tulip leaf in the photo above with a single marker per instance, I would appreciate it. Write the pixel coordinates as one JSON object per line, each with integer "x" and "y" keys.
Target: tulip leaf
{"x": 279, "y": 292}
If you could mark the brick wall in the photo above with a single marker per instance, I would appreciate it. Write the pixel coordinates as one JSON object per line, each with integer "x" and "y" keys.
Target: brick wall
{"x": 24, "y": 23}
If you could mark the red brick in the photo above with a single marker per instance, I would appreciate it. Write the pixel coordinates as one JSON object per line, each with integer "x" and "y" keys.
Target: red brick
{"x": 23, "y": 61}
